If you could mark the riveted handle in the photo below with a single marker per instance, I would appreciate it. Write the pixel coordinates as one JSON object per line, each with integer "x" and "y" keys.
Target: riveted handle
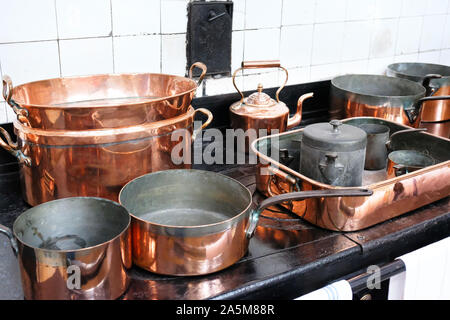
{"x": 8, "y": 91}
{"x": 262, "y": 64}
{"x": 12, "y": 240}
{"x": 205, "y": 124}
{"x": 201, "y": 66}
{"x": 426, "y": 83}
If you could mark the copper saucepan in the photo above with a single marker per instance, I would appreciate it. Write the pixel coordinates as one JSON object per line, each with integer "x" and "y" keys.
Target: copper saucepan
{"x": 101, "y": 101}
{"x": 73, "y": 248}
{"x": 200, "y": 229}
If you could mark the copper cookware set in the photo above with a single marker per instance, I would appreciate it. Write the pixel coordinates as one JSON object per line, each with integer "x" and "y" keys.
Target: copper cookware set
{"x": 109, "y": 136}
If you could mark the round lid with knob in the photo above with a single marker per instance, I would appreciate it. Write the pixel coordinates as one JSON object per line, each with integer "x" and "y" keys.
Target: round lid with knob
{"x": 334, "y": 136}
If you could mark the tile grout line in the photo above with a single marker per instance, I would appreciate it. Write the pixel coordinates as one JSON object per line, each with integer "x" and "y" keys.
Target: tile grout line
{"x": 57, "y": 38}
{"x": 112, "y": 38}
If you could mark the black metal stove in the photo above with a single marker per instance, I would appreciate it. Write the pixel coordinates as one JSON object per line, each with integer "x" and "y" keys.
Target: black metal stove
{"x": 287, "y": 257}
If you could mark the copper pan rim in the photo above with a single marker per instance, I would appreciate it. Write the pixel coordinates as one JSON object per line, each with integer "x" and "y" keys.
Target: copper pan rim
{"x": 50, "y": 251}
{"x": 106, "y": 75}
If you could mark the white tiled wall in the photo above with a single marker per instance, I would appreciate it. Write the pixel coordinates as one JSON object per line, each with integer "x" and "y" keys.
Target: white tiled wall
{"x": 314, "y": 39}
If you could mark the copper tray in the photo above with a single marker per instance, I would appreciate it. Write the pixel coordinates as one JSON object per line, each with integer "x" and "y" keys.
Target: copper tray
{"x": 391, "y": 197}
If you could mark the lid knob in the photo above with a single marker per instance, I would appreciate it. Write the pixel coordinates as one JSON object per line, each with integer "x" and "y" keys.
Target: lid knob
{"x": 335, "y": 123}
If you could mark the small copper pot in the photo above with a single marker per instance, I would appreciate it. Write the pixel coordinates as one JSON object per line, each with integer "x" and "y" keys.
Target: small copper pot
{"x": 258, "y": 111}
{"x": 73, "y": 249}
{"x": 405, "y": 161}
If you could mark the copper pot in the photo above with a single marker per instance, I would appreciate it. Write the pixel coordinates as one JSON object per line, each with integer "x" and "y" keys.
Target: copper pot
{"x": 73, "y": 248}
{"x": 101, "y": 101}
{"x": 259, "y": 111}
{"x": 59, "y": 163}
{"x": 389, "y": 98}
{"x": 405, "y": 161}
{"x": 197, "y": 230}
{"x": 435, "y": 78}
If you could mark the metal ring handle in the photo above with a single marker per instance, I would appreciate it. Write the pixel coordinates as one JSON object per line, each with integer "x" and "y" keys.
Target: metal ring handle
{"x": 201, "y": 66}
{"x": 7, "y": 88}
{"x": 426, "y": 83}
{"x": 12, "y": 240}
{"x": 260, "y": 65}
{"x": 205, "y": 124}
{"x": 7, "y": 91}
{"x": 12, "y": 148}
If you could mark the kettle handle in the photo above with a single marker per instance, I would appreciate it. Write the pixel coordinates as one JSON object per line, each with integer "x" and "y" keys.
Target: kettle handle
{"x": 260, "y": 65}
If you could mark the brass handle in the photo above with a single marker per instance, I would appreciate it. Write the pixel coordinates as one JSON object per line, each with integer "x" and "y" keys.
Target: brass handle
{"x": 260, "y": 65}
{"x": 201, "y": 66}
{"x": 205, "y": 124}
{"x": 12, "y": 148}
{"x": 297, "y": 117}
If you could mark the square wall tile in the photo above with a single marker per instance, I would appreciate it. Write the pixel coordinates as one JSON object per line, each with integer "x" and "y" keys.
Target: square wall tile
{"x": 354, "y": 67}
{"x": 325, "y": 71}
{"x": 384, "y": 33}
{"x": 387, "y": 9}
{"x": 237, "y": 49}
{"x": 330, "y": 11}
{"x": 409, "y": 31}
{"x": 238, "y": 14}
{"x": 432, "y": 32}
{"x": 379, "y": 65}
{"x": 436, "y": 6}
{"x": 298, "y": 12}
{"x": 27, "y": 20}
{"x": 174, "y": 54}
{"x": 221, "y": 85}
{"x": 173, "y": 16}
{"x": 360, "y": 10}
{"x": 262, "y": 14}
{"x": 446, "y": 40}
{"x": 296, "y": 46}
{"x": 429, "y": 57}
{"x": 445, "y": 57}
{"x": 356, "y": 40}
{"x": 137, "y": 54}
{"x": 269, "y": 79}
{"x": 83, "y": 18}
{"x": 262, "y": 44}
{"x": 86, "y": 56}
{"x": 327, "y": 43}
{"x": 30, "y": 61}
{"x": 413, "y": 8}
{"x": 132, "y": 17}
{"x": 412, "y": 57}
{"x": 299, "y": 75}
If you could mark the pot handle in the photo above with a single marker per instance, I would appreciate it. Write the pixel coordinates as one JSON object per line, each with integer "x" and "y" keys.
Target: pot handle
{"x": 12, "y": 240}
{"x": 205, "y": 124}
{"x": 12, "y": 148}
{"x": 297, "y": 117}
{"x": 201, "y": 66}
{"x": 8, "y": 90}
{"x": 426, "y": 83}
{"x": 414, "y": 112}
{"x": 388, "y": 143}
{"x": 260, "y": 65}
{"x": 298, "y": 196}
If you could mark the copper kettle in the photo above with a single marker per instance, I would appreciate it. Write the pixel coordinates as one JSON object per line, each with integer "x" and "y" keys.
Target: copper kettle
{"x": 259, "y": 111}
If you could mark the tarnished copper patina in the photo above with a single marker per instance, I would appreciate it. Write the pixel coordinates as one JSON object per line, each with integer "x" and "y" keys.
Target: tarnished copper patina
{"x": 391, "y": 197}
{"x": 59, "y": 163}
{"x": 101, "y": 101}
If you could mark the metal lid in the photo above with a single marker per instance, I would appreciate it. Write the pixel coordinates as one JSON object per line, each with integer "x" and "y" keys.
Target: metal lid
{"x": 260, "y": 98}
{"x": 334, "y": 136}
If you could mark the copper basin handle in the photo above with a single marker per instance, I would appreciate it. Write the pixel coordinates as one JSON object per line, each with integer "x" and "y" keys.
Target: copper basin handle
{"x": 8, "y": 90}
{"x": 298, "y": 196}
{"x": 201, "y": 66}
{"x": 205, "y": 124}
{"x": 12, "y": 240}
{"x": 388, "y": 143}
{"x": 12, "y": 148}
{"x": 297, "y": 117}
{"x": 260, "y": 65}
